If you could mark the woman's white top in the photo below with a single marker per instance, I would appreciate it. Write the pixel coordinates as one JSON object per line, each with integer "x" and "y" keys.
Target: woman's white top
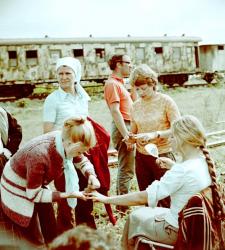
{"x": 59, "y": 106}
{"x": 181, "y": 182}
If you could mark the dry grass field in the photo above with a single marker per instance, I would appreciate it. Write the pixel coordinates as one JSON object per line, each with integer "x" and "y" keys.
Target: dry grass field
{"x": 207, "y": 103}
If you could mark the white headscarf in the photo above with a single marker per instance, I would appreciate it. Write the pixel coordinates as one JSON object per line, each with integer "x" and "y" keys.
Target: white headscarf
{"x": 71, "y": 177}
{"x": 75, "y": 65}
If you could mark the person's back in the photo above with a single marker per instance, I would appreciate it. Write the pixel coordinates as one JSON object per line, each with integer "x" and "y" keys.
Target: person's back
{"x": 10, "y": 136}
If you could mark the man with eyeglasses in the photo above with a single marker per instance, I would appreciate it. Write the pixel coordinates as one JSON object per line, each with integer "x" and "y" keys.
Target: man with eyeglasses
{"x": 119, "y": 101}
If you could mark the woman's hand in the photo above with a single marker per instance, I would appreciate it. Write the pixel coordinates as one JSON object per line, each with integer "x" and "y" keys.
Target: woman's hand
{"x": 75, "y": 194}
{"x": 165, "y": 162}
{"x": 96, "y": 196}
{"x": 130, "y": 141}
{"x": 79, "y": 195}
{"x": 93, "y": 182}
{"x": 131, "y": 138}
{"x": 144, "y": 138}
{"x": 130, "y": 146}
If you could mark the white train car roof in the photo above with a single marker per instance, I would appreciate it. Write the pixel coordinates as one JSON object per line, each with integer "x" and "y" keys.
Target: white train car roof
{"x": 129, "y": 39}
{"x": 211, "y": 44}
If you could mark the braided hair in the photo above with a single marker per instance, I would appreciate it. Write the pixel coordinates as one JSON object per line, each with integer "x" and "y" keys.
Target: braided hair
{"x": 189, "y": 129}
{"x": 218, "y": 203}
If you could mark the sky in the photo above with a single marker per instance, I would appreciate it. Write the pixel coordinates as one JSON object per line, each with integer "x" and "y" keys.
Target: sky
{"x": 113, "y": 18}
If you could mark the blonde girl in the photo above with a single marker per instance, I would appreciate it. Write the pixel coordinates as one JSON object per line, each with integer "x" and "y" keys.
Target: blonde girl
{"x": 42, "y": 160}
{"x": 195, "y": 173}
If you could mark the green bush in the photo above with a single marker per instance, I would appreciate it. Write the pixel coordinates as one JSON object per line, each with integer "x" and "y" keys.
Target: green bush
{"x": 22, "y": 103}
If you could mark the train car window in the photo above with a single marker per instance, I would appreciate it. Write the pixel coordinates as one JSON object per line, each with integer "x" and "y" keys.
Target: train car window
{"x": 176, "y": 53}
{"x": 12, "y": 58}
{"x": 189, "y": 54}
{"x": 140, "y": 54}
{"x": 196, "y": 57}
{"x": 189, "y": 50}
{"x": 120, "y": 51}
{"x": 158, "y": 50}
{"x": 55, "y": 54}
{"x": 100, "y": 53}
{"x": 220, "y": 47}
{"x": 31, "y": 57}
{"x": 78, "y": 52}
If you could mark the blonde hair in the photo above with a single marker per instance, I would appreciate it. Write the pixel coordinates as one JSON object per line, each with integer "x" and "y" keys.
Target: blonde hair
{"x": 143, "y": 74}
{"x": 79, "y": 129}
{"x": 190, "y": 130}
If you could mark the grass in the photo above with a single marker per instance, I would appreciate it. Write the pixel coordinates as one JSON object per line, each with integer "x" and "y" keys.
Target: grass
{"x": 207, "y": 103}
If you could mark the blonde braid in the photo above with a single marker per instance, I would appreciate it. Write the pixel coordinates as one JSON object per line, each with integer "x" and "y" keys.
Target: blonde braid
{"x": 218, "y": 203}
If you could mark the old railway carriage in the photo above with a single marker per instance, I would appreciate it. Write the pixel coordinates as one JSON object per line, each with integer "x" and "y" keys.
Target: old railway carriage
{"x": 29, "y": 61}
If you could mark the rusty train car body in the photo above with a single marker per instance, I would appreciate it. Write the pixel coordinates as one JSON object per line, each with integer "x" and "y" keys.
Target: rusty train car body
{"x": 25, "y": 62}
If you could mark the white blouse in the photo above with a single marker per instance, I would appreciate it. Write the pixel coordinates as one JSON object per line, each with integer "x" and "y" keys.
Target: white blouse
{"x": 181, "y": 182}
{"x": 59, "y": 106}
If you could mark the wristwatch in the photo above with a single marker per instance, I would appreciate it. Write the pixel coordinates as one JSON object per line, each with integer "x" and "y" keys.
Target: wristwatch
{"x": 158, "y": 134}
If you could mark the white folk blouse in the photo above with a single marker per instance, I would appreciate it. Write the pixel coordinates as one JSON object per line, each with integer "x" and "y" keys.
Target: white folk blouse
{"x": 181, "y": 182}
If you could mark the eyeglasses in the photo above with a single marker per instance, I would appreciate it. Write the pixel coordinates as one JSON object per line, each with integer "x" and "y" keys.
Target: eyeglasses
{"x": 129, "y": 63}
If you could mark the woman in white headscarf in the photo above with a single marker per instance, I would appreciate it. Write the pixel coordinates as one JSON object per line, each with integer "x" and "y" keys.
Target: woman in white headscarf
{"x": 70, "y": 99}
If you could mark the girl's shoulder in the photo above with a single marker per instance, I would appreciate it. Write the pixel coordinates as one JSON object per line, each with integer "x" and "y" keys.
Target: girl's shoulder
{"x": 179, "y": 167}
{"x": 191, "y": 164}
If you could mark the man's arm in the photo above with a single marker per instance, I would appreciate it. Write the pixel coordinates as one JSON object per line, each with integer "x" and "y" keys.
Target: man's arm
{"x": 118, "y": 119}
{"x": 48, "y": 127}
